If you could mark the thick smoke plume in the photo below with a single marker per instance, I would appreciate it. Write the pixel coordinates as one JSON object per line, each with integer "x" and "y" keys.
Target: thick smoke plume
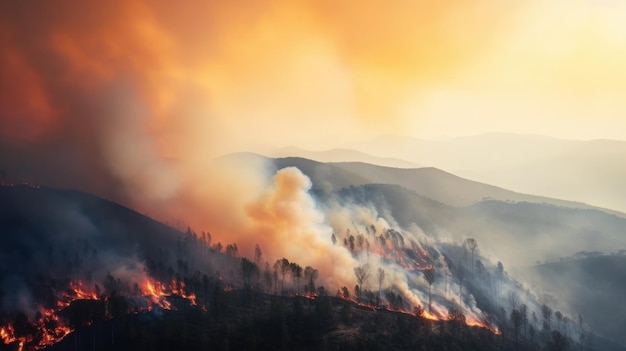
{"x": 132, "y": 100}
{"x": 285, "y": 221}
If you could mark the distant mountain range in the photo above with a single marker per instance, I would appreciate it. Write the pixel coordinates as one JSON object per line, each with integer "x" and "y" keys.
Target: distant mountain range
{"x": 591, "y": 171}
{"x": 342, "y": 155}
{"x": 427, "y": 181}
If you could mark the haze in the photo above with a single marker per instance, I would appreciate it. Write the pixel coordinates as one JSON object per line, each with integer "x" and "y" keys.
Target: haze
{"x": 147, "y": 104}
{"x": 128, "y": 88}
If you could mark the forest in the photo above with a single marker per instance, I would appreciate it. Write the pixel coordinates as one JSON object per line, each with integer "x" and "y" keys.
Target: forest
{"x": 83, "y": 273}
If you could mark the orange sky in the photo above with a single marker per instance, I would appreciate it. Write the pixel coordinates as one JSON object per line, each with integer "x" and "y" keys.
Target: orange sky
{"x": 140, "y": 83}
{"x": 219, "y": 76}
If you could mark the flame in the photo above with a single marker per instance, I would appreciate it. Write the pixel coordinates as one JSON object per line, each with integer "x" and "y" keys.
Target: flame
{"x": 52, "y": 328}
{"x": 311, "y": 295}
{"x": 475, "y": 322}
{"x": 7, "y": 334}
{"x": 158, "y": 296}
{"x": 411, "y": 259}
{"x": 79, "y": 293}
{"x": 429, "y": 315}
{"x": 48, "y": 335}
{"x": 51, "y": 336}
{"x": 178, "y": 288}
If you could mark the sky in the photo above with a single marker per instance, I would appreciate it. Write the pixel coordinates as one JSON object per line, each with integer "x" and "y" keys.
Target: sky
{"x": 126, "y": 88}
{"x": 211, "y": 77}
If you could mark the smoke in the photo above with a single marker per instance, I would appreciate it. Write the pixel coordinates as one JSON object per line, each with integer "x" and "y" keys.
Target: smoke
{"x": 130, "y": 100}
{"x": 285, "y": 221}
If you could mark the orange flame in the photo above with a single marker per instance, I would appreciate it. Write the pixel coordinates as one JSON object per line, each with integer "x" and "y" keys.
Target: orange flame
{"x": 475, "y": 322}
{"x": 79, "y": 293}
{"x": 51, "y": 333}
{"x": 7, "y": 334}
{"x": 158, "y": 296}
{"x": 429, "y": 315}
{"x": 178, "y": 288}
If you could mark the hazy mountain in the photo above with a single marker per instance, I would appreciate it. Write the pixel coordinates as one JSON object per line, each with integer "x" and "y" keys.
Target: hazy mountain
{"x": 592, "y": 171}
{"x": 429, "y": 182}
{"x": 342, "y": 155}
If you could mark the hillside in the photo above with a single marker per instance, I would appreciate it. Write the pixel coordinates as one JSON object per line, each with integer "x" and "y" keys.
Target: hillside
{"x": 95, "y": 250}
{"x": 520, "y": 233}
{"x": 255, "y": 321}
{"x": 596, "y": 286}
{"x": 82, "y": 272}
{"x": 72, "y": 261}
{"x": 69, "y": 258}
{"x": 590, "y": 171}
{"x": 429, "y": 182}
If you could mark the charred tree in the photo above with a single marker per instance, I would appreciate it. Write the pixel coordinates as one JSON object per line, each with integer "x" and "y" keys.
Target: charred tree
{"x": 429, "y": 275}
{"x": 471, "y": 244}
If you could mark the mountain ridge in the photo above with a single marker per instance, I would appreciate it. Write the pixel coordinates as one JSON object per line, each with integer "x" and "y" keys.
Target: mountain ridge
{"x": 423, "y": 180}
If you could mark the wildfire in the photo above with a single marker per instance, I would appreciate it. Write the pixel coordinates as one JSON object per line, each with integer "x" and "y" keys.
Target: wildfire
{"x": 7, "y": 334}
{"x": 311, "y": 295}
{"x": 54, "y": 334}
{"x": 412, "y": 259}
{"x": 79, "y": 293}
{"x": 409, "y": 259}
{"x": 429, "y": 315}
{"x": 52, "y": 327}
{"x": 178, "y": 288}
{"x": 157, "y": 295}
{"x": 475, "y": 322}
{"x": 75, "y": 291}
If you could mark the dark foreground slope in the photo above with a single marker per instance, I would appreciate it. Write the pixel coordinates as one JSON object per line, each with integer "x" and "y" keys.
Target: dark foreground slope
{"x": 246, "y": 320}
